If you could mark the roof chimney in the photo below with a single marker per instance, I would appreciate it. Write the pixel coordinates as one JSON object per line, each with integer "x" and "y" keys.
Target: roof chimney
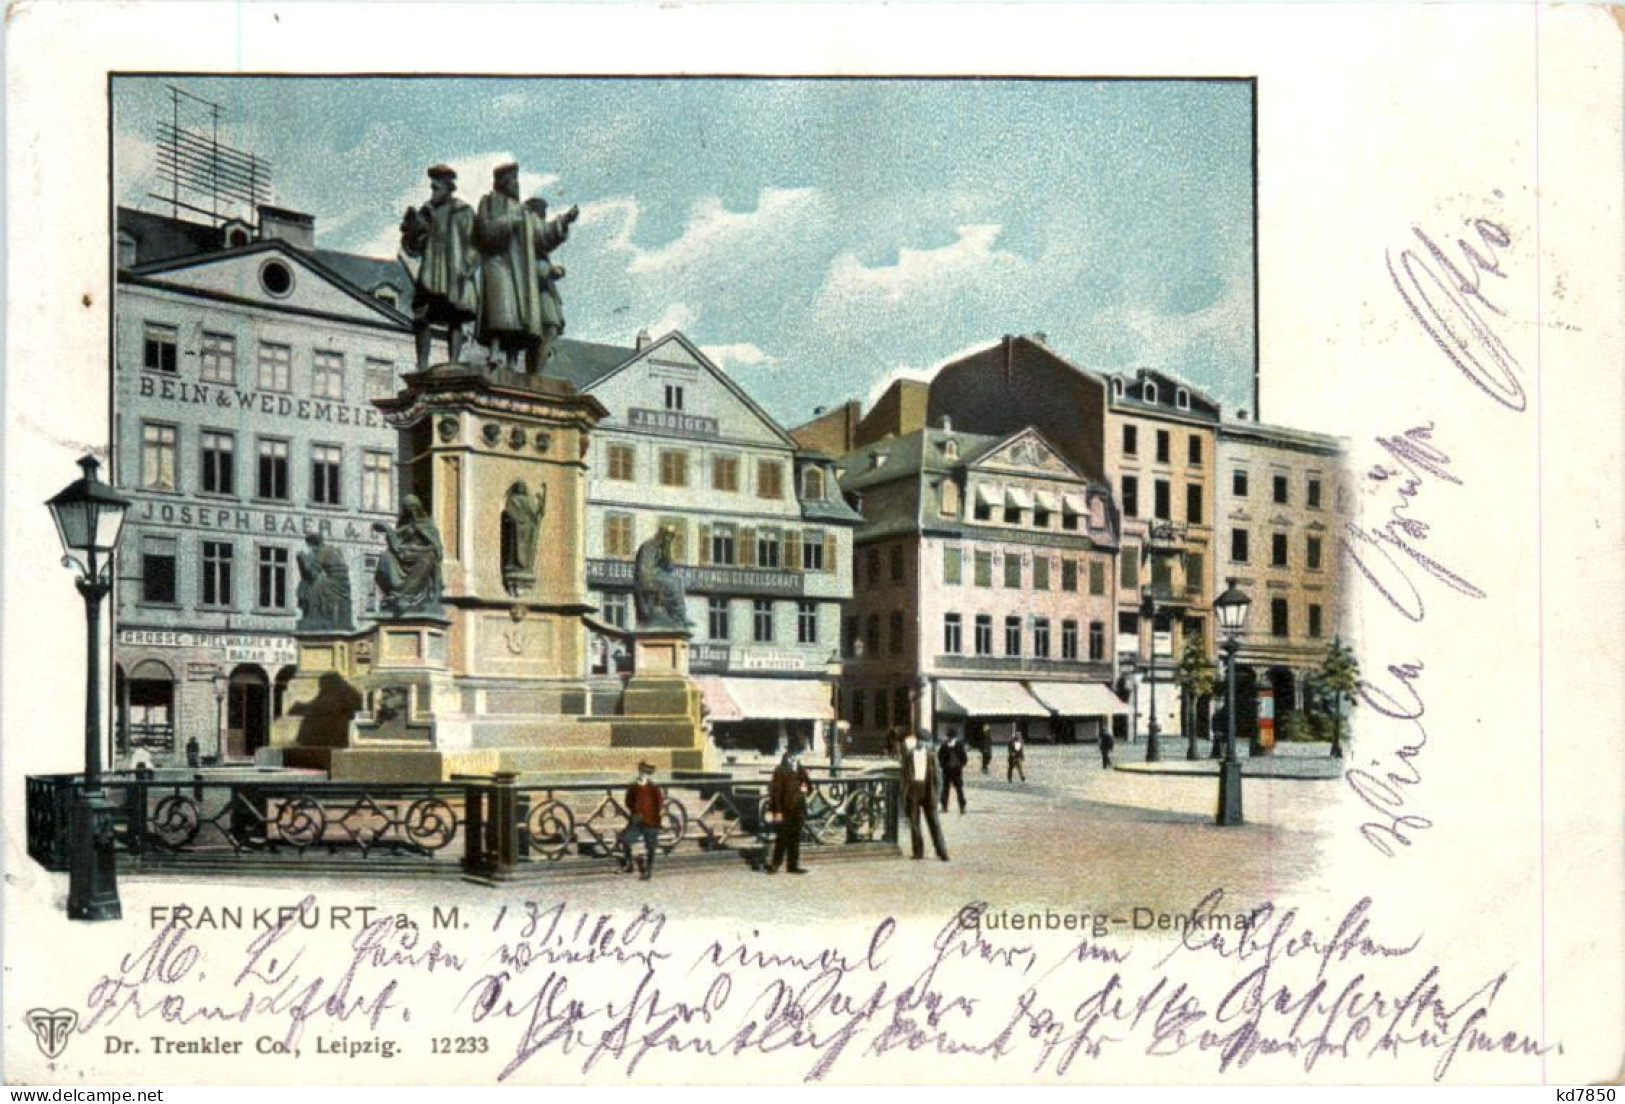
{"x": 294, "y": 227}
{"x": 1041, "y": 337}
{"x": 947, "y": 424}
{"x": 643, "y": 339}
{"x": 1241, "y": 415}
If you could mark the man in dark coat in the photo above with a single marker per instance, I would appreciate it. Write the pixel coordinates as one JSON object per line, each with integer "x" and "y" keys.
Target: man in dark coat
{"x": 644, "y": 806}
{"x": 984, "y": 744}
{"x": 920, "y": 786}
{"x": 787, "y": 801}
{"x": 954, "y": 758}
{"x": 1106, "y": 745}
{"x": 1018, "y": 758}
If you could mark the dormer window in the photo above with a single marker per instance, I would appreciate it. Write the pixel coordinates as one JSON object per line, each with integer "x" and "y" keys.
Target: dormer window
{"x": 1117, "y": 388}
{"x": 812, "y": 484}
{"x": 950, "y": 449}
{"x": 877, "y": 459}
{"x": 1149, "y": 392}
{"x": 126, "y": 249}
{"x": 1182, "y": 399}
{"x": 387, "y": 293}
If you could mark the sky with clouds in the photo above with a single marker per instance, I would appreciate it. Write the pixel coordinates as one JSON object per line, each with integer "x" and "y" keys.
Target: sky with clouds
{"x": 815, "y": 237}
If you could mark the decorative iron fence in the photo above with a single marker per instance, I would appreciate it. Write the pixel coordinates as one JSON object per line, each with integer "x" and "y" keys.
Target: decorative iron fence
{"x": 494, "y": 827}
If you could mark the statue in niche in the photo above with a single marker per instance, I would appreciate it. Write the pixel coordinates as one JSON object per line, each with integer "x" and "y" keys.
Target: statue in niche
{"x": 521, "y": 525}
{"x": 515, "y": 243}
{"x": 409, "y": 570}
{"x": 657, "y": 589}
{"x": 440, "y": 235}
{"x": 324, "y": 588}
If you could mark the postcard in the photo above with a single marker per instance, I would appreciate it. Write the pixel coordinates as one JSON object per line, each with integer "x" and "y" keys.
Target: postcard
{"x": 755, "y": 544}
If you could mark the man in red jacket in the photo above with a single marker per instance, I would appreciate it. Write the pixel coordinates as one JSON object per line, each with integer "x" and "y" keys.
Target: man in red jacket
{"x": 644, "y": 805}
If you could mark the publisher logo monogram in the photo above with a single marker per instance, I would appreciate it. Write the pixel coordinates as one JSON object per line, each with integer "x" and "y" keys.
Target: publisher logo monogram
{"x": 52, "y": 1029}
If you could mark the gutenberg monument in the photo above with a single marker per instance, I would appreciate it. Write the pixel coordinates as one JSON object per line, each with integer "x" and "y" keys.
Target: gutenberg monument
{"x": 477, "y": 660}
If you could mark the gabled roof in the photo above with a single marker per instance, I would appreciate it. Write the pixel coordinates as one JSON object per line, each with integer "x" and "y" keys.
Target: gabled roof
{"x": 705, "y": 362}
{"x": 367, "y": 273}
{"x": 160, "y": 237}
{"x": 155, "y": 272}
{"x": 910, "y": 455}
{"x": 584, "y": 363}
{"x": 1030, "y": 433}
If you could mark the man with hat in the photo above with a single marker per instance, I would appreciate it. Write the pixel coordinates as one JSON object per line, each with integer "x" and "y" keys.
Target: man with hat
{"x": 441, "y": 235}
{"x": 787, "y": 802}
{"x": 921, "y": 788}
{"x": 644, "y": 806}
{"x": 513, "y": 238}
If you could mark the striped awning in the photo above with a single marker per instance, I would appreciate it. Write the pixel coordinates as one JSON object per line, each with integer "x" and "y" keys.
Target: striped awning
{"x": 782, "y": 699}
{"x": 1077, "y": 699}
{"x": 987, "y": 698}
{"x": 719, "y": 704}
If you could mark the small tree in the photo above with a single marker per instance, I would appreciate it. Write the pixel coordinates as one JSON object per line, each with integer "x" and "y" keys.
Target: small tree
{"x": 1339, "y": 675}
{"x": 1194, "y": 676}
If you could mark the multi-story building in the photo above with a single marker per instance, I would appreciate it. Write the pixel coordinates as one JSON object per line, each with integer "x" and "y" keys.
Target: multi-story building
{"x": 763, "y": 536}
{"x": 245, "y": 360}
{"x": 981, "y": 588}
{"x": 1283, "y": 498}
{"x": 1159, "y": 457}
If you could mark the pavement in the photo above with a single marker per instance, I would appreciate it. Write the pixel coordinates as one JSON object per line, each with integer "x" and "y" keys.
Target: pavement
{"x": 1071, "y": 837}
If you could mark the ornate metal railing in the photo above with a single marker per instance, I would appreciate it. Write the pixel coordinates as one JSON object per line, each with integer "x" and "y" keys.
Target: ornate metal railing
{"x": 496, "y": 827}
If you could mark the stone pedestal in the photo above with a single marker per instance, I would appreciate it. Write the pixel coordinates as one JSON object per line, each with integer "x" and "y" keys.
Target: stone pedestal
{"x": 500, "y": 682}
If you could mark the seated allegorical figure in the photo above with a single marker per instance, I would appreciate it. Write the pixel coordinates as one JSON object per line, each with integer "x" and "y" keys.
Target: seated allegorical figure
{"x": 324, "y": 588}
{"x": 657, "y": 593}
{"x": 408, "y": 575}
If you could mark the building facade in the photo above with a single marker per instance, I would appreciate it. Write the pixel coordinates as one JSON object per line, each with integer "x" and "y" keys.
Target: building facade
{"x": 1159, "y": 450}
{"x": 1283, "y": 498}
{"x": 244, "y": 366}
{"x": 763, "y": 536}
{"x": 982, "y": 592}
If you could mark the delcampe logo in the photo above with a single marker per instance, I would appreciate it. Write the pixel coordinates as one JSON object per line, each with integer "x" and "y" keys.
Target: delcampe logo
{"x": 52, "y": 1029}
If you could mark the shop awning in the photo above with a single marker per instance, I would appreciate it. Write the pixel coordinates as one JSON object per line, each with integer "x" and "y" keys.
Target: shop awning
{"x": 765, "y": 699}
{"x": 1075, "y": 505}
{"x": 719, "y": 704}
{"x": 987, "y": 495}
{"x": 1046, "y": 501}
{"x": 987, "y": 698}
{"x": 1020, "y": 499}
{"x": 1077, "y": 699}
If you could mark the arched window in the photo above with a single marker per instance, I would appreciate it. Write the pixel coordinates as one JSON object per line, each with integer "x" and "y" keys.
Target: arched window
{"x": 812, "y": 484}
{"x": 1182, "y": 399}
{"x": 1149, "y": 393}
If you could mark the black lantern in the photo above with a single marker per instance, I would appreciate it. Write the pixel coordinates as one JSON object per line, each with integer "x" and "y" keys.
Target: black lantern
{"x": 1230, "y": 608}
{"x": 89, "y": 517}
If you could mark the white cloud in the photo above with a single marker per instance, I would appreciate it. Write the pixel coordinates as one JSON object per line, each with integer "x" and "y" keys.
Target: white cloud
{"x": 921, "y": 277}
{"x": 1140, "y": 335}
{"x": 473, "y": 181}
{"x": 740, "y": 354}
{"x": 714, "y": 231}
{"x": 676, "y": 316}
{"x": 926, "y": 374}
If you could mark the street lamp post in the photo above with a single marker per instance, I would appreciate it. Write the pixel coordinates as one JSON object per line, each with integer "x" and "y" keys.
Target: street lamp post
{"x": 1153, "y": 753}
{"x": 89, "y": 517}
{"x": 222, "y": 684}
{"x": 1231, "y": 610}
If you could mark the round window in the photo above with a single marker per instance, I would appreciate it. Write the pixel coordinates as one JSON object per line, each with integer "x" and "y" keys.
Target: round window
{"x": 276, "y": 277}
